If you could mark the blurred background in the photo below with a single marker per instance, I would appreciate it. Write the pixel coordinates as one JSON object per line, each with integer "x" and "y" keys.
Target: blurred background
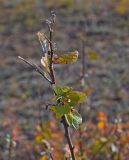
{"x": 102, "y": 26}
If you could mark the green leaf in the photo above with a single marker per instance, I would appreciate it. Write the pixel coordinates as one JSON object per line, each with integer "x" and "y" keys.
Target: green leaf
{"x": 57, "y": 114}
{"x": 76, "y": 119}
{"x": 57, "y": 89}
{"x": 65, "y": 95}
{"x": 69, "y": 119}
{"x": 95, "y": 146}
{"x": 75, "y": 124}
{"x": 63, "y": 109}
{"x": 82, "y": 96}
{"x": 75, "y": 98}
{"x": 66, "y": 89}
{"x": 92, "y": 55}
{"x": 61, "y": 90}
{"x": 70, "y": 57}
{"x": 77, "y": 116}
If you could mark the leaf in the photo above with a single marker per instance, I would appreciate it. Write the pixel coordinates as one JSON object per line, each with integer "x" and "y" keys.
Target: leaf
{"x": 122, "y": 6}
{"x": 41, "y": 36}
{"x": 63, "y": 109}
{"x": 75, "y": 98}
{"x": 101, "y": 125}
{"x": 92, "y": 55}
{"x": 57, "y": 114}
{"x": 76, "y": 119}
{"x": 77, "y": 116}
{"x": 67, "y": 58}
{"x": 57, "y": 89}
{"x": 38, "y": 139}
{"x": 44, "y": 62}
{"x": 69, "y": 119}
{"x": 61, "y": 91}
{"x": 67, "y": 96}
{"x": 75, "y": 124}
{"x": 43, "y": 157}
{"x": 95, "y": 146}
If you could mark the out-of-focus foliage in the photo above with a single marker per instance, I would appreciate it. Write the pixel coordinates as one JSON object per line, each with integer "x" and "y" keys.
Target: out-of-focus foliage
{"x": 60, "y": 3}
{"x": 122, "y": 6}
{"x": 52, "y": 135}
{"x": 100, "y": 140}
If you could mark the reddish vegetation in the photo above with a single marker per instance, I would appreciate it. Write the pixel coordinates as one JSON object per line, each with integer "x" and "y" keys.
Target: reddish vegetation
{"x": 103, "y": 139}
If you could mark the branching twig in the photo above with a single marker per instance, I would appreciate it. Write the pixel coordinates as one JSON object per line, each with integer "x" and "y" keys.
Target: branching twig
{"x": 52, "y": 81}
{"x": 66, "y": 127}
{"x": 36, "y": 68}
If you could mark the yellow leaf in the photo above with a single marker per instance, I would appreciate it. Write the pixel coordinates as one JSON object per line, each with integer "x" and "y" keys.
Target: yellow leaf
{"x": 92, "y": 55}
{"x": 57, "y": 114}
{"x": 122, "y": 6}
{"x": 43, "y": 158}
{"x": 101, "y": 125}
{"x": 38, "y": 138}
{"x": 67, "y": 58}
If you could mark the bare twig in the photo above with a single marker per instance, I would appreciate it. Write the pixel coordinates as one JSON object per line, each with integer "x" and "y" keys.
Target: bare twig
{"x": 51, "y": 56}
{"x": 36, "y": 68}
{"x": 10, "y": 149}
{"x": 51, "y": 156}
{"x": 68, "y": 137}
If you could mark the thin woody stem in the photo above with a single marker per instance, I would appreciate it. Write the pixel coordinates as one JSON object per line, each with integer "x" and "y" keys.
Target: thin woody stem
{"x": 68, "y": 137}
{"x": 51, "y": 56}
{"x": 37, "y": 68}
{"x": 63, "y": 119}
{"x": 10, "y": 150}
{"x": 52, "y": 81}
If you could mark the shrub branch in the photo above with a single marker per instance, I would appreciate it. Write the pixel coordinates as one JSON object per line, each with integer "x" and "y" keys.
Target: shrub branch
{"x": 52, "y": 81}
